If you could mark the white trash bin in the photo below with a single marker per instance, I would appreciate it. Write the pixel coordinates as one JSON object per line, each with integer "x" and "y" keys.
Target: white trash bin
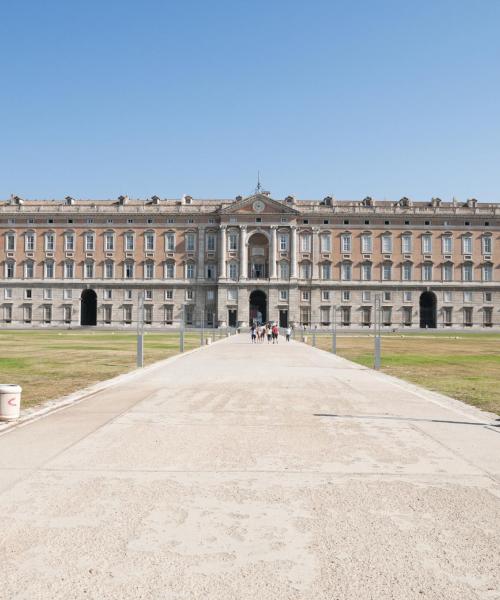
{"x": 10, "y": 401}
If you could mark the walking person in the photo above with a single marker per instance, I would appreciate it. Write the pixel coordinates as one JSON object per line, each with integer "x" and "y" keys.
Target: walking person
{"x": 269, "y": 333}
{"x": 253, "y": 334}
{"x": 288, "y": 333}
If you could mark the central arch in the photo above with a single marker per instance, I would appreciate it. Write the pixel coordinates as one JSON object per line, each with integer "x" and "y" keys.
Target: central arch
{"x": 428, "y": 302}
{"x": 88, "y": 308}
{"x": 258, "y": 255}
{"x": 258, "y": 307}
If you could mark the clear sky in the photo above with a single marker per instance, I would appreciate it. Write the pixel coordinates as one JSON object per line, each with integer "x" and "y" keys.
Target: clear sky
{"x": 385, "y": 98}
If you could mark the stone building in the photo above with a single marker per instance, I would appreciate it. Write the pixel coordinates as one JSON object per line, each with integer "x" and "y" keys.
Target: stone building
{"x": 226, "y": 262}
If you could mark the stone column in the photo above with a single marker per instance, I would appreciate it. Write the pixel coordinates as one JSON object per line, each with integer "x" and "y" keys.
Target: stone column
{"x": 315, "y": 253}
{"x": 293, "y": 252}
{"x": 272, "y": 253}
{"x": 222, "y": 252}
{"x": 201, "y": 253}
{"x": 243, "y": 252}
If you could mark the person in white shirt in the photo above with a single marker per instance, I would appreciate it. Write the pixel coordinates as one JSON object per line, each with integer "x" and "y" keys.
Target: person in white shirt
{"x": 288, "y": 332}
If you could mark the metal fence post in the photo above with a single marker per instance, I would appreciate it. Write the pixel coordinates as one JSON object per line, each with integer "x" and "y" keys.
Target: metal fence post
{"x": 334, "y": 330}
{"x": 181, "y": 331}
{"x": 140, "y": 331}
{"x": 378, "y": 325}
{"x": 202, "y": 333}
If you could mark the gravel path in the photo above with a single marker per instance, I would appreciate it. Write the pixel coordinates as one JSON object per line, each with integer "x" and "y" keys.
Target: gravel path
{"x": 253, "y": 472}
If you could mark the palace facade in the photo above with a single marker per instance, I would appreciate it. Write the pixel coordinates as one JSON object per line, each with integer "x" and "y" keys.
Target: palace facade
{"x": 228, "y": 262}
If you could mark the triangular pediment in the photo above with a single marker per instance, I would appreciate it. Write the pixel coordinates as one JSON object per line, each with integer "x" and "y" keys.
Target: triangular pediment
{"x": 258, "y": 204}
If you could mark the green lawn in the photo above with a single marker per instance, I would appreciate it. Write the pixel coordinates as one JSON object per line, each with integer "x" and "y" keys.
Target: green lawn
{"x": 464, "y": 366}
{"x": 50, "y": 364}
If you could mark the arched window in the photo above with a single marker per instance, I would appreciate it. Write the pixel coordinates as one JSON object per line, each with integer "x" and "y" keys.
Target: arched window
{"x": 10, "y": 269}
{"x": 29, "y": 241}
{"x": 89, "y": 241}
{"x": 128, "y": 269}
{"x": 89, "y": 269}
{"x": 69, "y": 269}
{"x": 149, "y": 269}
{"x": 326, "y": 271}
{"x": 487, "y": 243}
{"x": 406, "y": 243}
{"x": 149, "y": 241}
{"x": 305, "y": 270}
{"x": 467, "y": 244}
{"x": 386, "y": 271}
{"x": 386, "y": 243}
{"x": 366, "y": 243}
{"x": 190, "y": 270}
{"x": 325, "y": 242}
{"x": 346, "y": 242}
{"x": 447, "y": 242}
{"x": 109, "y": 241}
{"x": 69, "y": 241}
{"x": 487, "y": 271}
{"x": 232, "y": 270}
{"x": 29, "y": 269}
{"x": 346, "y": 271}
{"x": 50, "y": 241}
{"x": 49, "y": 269}
{"x": 427, "y": 271}
{"x": 366, "y": 271}
{"x": 467, "y": 271}
{"x": 170, "y": 241}
{"x": 284, "y": 270}
{"x": 447, "y": 271}
{"x": 109, "y": 269}
{"x": 170, "y": 269}
{"x": 406, "y": 271}
{"x": 427, "y": 243}
{"x": 129, "y": 241}
{"x": 10, "y": 241}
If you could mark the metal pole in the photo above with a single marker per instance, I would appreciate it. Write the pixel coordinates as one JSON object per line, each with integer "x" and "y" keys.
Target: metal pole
{"x": 378, "y": 319}
{"x": 202, "y": 333}
{"x": 334, "y": 331}
{"x": 181, "y": 331}
{"x": 140, "y": 332}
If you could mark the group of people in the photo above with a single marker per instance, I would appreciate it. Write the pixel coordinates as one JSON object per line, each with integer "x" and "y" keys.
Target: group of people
{"x": 269, "y": 331}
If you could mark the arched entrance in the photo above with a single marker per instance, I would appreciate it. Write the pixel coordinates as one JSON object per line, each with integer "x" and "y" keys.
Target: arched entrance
{"x": 258, "y": 307}
{"x": 428, "y": 311}
{"x": 88, "y": 308}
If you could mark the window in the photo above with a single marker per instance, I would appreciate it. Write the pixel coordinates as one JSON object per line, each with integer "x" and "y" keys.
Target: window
{"x": 127, "y": 294}
{"x": 325, "y": 315}
{"x": 149, "y": 270}
{"x": 47, "y": 314}
{"x": 10, "y": 242}
{"x": 366, "y": 271}
{"x": 211, "y": 271}
{"x": 407, "y": 271}
{"x": 346, "y": 271}
{"x": 169, "y": 314}
{"x": 150, "y": 221}
{"x": 169, "y": 270}
{"x": 407, "y": 316}
{"x": 29, "y": 242}
{"x": 427, "y": 272}
{"x": 27, "y": 314}
{"x": 170, "y": 242}
{"x": 89, "y": 270}
{"x": 345, "y": 242}
{"x": 447, "y": 316}
{"x": 233, "y": 242}
{"x": 28, "y": 294}
{"x": 447, "y": 296}
{"x": 90, "y": 221}
{"x": 346, "y": 296}
{"x": 69, "y": 242}
{"x": 69, "y": 269}
{"x": 326, "y": 271}
{"x": 29, "y": 269}
{"x": 487, "y": 272}
{"x": 109, "y": 242}
{"x": 386, "y": 244}
{"x": 406, "y": 244}
{"x": 170, "y": 220}
{"x": 109, "y": 269}
{"x": 487, "y": 316}
{"x": 50, "y": 242}
{"x": 190, "y": 271}
{"x": 10, "y": 269}
{"x": 210, "y": 295}
{"x": 426, "y": 243}
{"x": 305, "y": 316}
{"x": 468, "y": 316}
{"x": 407, "y": 297}
{"x": 169, "y": 294}
{"x": 386, "y": 316}
{"x": 283, "y": 240}
{"x": 130, "y": 221}
{"x": 488, "y": 297}
{"x": 284, "y": 270}
{"x": 233, "y": 270}
{"x": 149, "y": 241}
{"x": 89, "y": 241}
{"x": 107, "y": 294}
{"x": 49, "y": 269}
{"x": 67, "y": 294}
{"x": 325, "y": 295}
{"x": 345, "y": 315}
{"x": 148, "y": 314}
{"x": 232, "y": 294}
{"x": 305, "y": 270}
{"x": 47, "y": 294}
{"x": 386, "y": 271}
{"x": 325, "y": 243}
{"x": 467, "y": 244}
{"x": 8, "y": 293}
{"x": 386, "y": 296}
{"x": 467, "y": 272}
{"x": 366, "y": 243}
{"x": 283, "y": 295}
{"x": 189, "y": 294}
{"x": 305, "y": 242}
{"x": 468, "y": 297}
{"x": 129, "y": 242}
{"x": 107, "y": 315}
{"x": 448, "y": 272}
{"x": 148, "y": 294}
{"x": 211, "y": 241}
{"x": 127, "y": 315}
{"x": 128, "y": 270}
{"x": 447, "y": 244}
{"x": 305, "y": 296}
{"x": 366, "y": 316}
{"x": 487, "y": 245}
{"x": 366, "y": 296}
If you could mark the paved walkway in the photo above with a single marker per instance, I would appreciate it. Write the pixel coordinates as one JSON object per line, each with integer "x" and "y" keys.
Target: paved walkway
{"x": 253, "y": 472}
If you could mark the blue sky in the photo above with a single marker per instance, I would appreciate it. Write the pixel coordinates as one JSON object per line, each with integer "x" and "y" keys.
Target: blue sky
{"x": 378, "y": 97}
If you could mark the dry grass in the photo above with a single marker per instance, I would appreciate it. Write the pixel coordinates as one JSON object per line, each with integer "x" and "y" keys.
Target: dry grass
{"x": 464, "y": 366}
{"x": 50, "y": 364}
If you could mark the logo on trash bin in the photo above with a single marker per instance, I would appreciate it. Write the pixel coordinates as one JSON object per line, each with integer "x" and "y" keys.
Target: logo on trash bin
{"x": 12, "y": 401}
